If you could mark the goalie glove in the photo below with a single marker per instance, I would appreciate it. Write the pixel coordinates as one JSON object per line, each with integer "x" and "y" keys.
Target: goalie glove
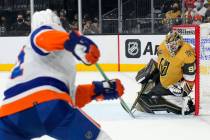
{"x": 108, "y": 90}
{"x": 147, "y": 73}
{"x": 181, "y": 89}
{"x": 82, "y": 48}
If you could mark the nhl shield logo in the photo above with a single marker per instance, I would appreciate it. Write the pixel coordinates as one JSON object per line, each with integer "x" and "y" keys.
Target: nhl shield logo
{"x": 132, "y": 48}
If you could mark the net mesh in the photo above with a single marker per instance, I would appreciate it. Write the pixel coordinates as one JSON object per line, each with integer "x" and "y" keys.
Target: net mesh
{"x": 205, "y": 68}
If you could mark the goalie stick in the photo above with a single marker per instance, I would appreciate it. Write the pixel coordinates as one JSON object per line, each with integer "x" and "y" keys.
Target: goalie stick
{"x": 122, "y": 102}
{"x": 139, "y": 93}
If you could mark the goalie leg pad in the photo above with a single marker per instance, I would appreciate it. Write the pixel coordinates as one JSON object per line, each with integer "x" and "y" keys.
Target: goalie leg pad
{"x": 151, "y": 104}
{"x": 144, "y": 104}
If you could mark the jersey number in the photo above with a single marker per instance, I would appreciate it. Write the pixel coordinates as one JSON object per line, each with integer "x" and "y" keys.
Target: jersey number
{"x": 191, "y": 69}
{"x": 18, "y": 71}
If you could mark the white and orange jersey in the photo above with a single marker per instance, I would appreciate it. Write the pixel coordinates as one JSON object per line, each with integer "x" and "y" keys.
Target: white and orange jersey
{"x": 43, "y": 65}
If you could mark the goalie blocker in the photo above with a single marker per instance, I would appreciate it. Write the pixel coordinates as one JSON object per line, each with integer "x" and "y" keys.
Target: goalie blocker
{"x": 150, "y": 98}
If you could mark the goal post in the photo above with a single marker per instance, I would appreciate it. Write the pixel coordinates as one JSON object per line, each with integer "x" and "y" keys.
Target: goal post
{"x": 198, "y": 36}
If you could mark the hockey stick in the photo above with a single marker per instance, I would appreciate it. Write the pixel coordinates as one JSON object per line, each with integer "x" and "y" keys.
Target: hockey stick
{"x": 139, "y": 93}
{"x": 122, "y": 102}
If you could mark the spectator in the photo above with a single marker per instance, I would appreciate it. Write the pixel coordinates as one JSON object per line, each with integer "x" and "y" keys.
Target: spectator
{"x": 3, "y": 26}
{"x": 86, "y": 17}
{"x": 174, "y": 12}
{"x": 74, "y": 23}
{"x": 197, "y": 19}
{"x": 88, "y": 27}
{"x": 189, "y": 2}
{"x": 20, "y": 28}
{"x": 199, "y": 7}
{"x": 55, "y": 11}
{"x": 166, "y": 6}
{"x": 64, "y": 21}
{"x": 207, "y": 14}
{"x": 95, "y": 26}
{"x": 172, "y": 17}
{"x": 28, "y": 18}
{"x": 75, "y": 17}
{"x": 189, "y": 14}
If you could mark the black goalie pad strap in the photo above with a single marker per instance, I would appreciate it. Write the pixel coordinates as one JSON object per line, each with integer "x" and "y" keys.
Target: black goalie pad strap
{"x": 145, "y": 74}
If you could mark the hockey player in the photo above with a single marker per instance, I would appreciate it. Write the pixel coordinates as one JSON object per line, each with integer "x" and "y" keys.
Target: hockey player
{"x": 172, "y": 74}
{"x": 41, "y": 98}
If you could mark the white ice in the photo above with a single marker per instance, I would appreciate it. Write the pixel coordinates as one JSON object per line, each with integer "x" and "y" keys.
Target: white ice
{"x": 120, "y": 126}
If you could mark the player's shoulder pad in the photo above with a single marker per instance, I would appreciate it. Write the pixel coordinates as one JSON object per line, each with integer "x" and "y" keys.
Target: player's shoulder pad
{"x": 188, "y": 53}
{"x": 188, "y": 50}
{"x": 162, "y": 45}
{"x": 161, "y": 48}
{"x": 33, "y": 36}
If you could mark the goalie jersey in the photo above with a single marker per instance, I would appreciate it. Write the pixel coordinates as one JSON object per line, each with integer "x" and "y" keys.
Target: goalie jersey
{"x": 174, "y": 69}
{"x": 39, "y": 69}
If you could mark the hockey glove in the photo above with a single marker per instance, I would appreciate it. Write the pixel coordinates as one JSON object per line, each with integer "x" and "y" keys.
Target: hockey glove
{"x": 187, "y": 88}
{"x": 190, "y": 107}
{"x": 108, "y": 90}
{"x": 181, "y": 89}
{"x": 82, "y": 48}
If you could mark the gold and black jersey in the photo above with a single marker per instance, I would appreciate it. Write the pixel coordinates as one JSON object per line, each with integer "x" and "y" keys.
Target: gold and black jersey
{"x": 174, "y": 69}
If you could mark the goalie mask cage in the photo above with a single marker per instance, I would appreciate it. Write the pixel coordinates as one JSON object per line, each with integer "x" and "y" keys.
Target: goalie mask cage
{"x": 199, "y": 37}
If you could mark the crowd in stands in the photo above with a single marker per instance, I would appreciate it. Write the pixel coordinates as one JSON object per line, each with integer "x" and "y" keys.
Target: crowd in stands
{"x": 171, "y": 12}
{"x": 18, "y": 27}
{"x": 197, "y": 11}
{"x": 193, "y": 12}
{"x": 89, "y": 25}
{"x": 21, "y": 26}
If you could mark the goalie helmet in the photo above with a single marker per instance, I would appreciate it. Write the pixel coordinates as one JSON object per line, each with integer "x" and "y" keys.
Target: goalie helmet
{"x": 45, "y": 17}
{"x": 173, "y": 42}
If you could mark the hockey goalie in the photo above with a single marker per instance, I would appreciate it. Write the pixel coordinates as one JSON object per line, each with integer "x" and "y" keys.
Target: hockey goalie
{"x": 172, "y": 74}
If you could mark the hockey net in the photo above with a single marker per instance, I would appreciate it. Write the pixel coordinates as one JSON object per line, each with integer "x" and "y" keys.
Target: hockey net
{"x": 199, "y": 37}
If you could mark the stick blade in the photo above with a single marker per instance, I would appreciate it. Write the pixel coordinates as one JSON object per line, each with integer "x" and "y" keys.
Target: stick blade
{"x": 125, "y": 107}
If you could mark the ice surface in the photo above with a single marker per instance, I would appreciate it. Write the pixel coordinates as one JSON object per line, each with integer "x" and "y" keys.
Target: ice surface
{"x": 116, "y": 122}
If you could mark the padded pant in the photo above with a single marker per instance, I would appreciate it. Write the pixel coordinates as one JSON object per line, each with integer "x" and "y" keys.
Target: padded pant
{"x": 55, "y": 118}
